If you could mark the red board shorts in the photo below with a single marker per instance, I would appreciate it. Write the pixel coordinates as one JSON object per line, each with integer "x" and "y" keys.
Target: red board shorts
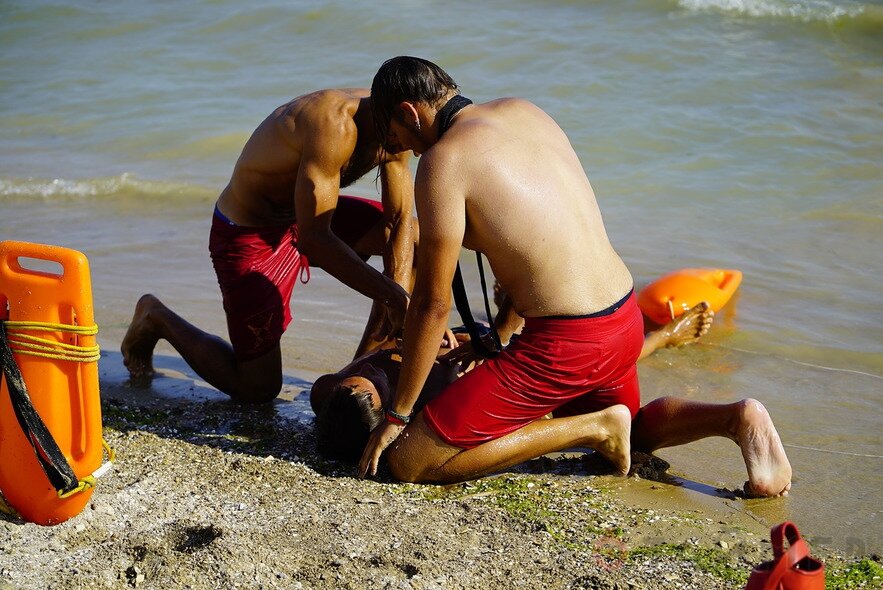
{"x": 567, "y": 366}
{"x": 257, "y": 268}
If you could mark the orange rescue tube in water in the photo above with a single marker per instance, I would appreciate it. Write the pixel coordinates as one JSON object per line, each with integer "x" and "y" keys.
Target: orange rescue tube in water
{"x": 671, "y": 295}
{"x": 46, "y": 297}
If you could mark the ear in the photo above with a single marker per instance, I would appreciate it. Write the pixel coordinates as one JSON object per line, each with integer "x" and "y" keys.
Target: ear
{"x": 408, "y": 112}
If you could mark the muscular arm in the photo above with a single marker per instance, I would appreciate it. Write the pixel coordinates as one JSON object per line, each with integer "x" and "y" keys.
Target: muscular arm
{"x": 315, "y": 198}
{"x": 443, "y": 222}
{"x": 398, "y": 249}
{"x": 442, "y": 213}
{"x": 397, "y": 190}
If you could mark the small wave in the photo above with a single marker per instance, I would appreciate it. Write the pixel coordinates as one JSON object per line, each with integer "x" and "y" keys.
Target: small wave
{"x": 124, "y": 185}
{"x": 803, "y": 10}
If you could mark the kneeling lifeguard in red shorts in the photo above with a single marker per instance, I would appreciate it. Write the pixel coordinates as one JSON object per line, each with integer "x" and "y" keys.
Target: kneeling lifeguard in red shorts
{"x": 280, "y": 212}
{"x": 501, "y": 178}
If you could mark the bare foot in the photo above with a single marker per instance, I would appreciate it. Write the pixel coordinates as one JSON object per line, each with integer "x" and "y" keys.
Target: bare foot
{"x": 688, "y": 327}
{"x": 140, "y": 339}
{"x": 769, "y": 472}
{"x": 617, "y": 421}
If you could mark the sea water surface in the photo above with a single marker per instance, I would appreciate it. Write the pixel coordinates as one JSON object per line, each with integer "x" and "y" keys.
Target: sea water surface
{"x": 742, "y": 134}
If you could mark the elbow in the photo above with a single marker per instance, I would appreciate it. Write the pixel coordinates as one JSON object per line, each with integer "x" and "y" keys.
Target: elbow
{"x": 431, "y": 308}
{"x": 394, "y": 219}
{"x": 310, "y": 245}
{"x": 306, "y": 245}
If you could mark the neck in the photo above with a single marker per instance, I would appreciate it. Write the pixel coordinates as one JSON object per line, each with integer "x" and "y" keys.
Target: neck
{"x": 445, "y": 115}
{"x": 362, "y": 116}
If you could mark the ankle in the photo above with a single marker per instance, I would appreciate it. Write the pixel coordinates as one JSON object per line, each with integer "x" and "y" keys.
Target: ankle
{"x": 747, "y": 412}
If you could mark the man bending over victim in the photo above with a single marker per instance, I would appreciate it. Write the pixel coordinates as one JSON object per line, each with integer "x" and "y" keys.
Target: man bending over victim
{"x": 489, "y": 175}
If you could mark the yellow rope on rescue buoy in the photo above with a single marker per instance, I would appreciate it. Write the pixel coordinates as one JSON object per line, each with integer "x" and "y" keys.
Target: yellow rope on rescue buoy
{"x": 43, "y": 347}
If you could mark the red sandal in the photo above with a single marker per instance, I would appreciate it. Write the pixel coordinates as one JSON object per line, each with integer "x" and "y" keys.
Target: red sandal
{"x": 793, "y": 569}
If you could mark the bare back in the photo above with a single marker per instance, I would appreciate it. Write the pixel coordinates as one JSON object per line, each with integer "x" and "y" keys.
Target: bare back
{"x": 262, "y": 188}
{"x": 530, "y": 209}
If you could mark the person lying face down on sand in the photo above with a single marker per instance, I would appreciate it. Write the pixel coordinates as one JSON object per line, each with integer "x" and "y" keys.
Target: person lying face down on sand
{"x": 349, "y": 404}
{"x": 281, "y": 212}
{"x": 501, "y": 178}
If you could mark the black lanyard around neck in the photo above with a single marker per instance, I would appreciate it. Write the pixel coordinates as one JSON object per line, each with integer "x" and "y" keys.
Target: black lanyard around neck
{"x": 446, "y": 114}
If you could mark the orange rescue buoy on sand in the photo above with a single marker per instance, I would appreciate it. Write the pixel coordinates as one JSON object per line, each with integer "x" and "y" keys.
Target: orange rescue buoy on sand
{"x": 46, "y": 307}
{"x": 671, "y": 295}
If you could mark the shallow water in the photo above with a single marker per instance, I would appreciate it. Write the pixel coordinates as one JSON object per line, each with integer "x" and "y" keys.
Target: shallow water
{"x": 735, "y": 134}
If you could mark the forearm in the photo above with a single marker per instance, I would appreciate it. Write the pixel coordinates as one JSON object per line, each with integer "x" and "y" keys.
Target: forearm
{"x": 332, "y": 255}
{"x": 397, "y": 194}
{"x": 425, "y": 326}
{"x": 398, "y": 255}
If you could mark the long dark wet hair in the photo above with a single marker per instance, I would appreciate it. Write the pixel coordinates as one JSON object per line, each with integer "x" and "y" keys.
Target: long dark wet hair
{"x": 406, "y": 78}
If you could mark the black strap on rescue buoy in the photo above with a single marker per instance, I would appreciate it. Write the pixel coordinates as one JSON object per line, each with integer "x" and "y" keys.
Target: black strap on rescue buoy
{"x": 462, "y": 302}
{"x": 51, "y": 459}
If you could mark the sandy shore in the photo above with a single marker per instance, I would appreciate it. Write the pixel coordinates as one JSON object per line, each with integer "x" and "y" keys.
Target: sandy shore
{"x": 206, "y": 494}
{"x": 135, "y": 246}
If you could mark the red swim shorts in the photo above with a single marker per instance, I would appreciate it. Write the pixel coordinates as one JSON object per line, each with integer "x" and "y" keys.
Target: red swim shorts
{"x": 257, "y": 268}
{"x": 563, "y": 365}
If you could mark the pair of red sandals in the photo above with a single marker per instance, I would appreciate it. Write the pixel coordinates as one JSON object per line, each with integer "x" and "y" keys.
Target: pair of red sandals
{"x": 793, "y": 569}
